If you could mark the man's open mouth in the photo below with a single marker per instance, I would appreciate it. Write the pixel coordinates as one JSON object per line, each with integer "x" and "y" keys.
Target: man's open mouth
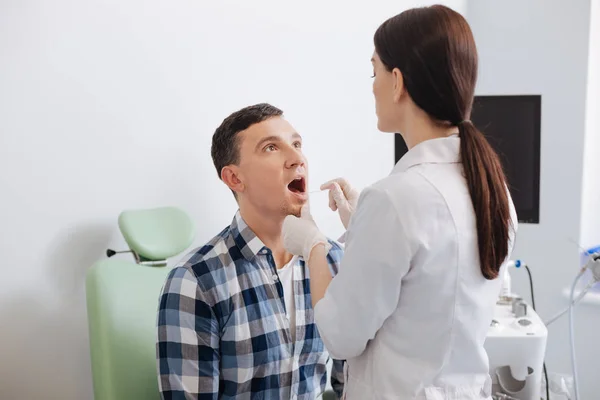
{"x": 298, "y": 185}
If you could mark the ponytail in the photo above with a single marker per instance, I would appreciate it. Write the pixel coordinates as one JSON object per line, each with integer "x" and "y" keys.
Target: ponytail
{"x": 434, "y": 50}
{"x": 487, "y": 187}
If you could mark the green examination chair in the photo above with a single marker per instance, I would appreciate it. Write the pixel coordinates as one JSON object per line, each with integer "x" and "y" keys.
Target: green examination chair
{"x": 122, "y": 303}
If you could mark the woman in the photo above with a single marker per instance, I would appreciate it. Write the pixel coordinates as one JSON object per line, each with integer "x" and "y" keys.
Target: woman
{"x": 412, "y": 303}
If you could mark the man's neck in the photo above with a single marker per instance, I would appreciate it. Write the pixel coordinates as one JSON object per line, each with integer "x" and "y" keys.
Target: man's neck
{"x": 268, "y": 230}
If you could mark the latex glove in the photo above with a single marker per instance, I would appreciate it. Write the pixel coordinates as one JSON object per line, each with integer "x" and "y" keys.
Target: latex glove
{"x": 301, "y": 235}
{"x": 342, "y": 197}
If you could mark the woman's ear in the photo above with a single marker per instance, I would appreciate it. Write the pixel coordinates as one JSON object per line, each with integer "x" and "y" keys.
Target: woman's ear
{"x": 398, "y": 85}
{"x": 230, "y": 174}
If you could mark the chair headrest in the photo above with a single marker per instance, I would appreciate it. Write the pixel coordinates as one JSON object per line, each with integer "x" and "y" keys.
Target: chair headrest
{"x": 157, "y": 233}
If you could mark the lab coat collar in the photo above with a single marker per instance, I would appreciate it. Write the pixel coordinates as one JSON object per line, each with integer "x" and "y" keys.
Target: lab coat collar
{"x": 245, "y": 238}
{"x": 433, "y": 151}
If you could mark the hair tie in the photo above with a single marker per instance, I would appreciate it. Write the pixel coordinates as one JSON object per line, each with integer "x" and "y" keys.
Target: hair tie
{"x": 463, "y": 122}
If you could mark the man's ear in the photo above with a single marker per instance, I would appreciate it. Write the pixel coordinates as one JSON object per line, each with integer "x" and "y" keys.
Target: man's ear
{"x": 230, "y": 174}
{"x": 398, "y": 88}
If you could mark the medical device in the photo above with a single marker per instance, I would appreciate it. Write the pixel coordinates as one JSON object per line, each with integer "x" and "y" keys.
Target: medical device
{"x": 502, "y": 396}
{"x": 516, "y": 341}
{"x": 516, "y": 346}
{"x": 592, "y": 266}
{"x": 512, "y": 126}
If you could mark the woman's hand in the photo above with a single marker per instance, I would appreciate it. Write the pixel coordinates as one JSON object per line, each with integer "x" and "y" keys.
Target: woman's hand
{"x": 301, "y": 235}
{"x": 342, "y": 197}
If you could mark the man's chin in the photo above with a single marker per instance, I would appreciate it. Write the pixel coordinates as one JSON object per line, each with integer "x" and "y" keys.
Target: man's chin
{"x": 292, "y": 204}
{"x": 294, "y": 209}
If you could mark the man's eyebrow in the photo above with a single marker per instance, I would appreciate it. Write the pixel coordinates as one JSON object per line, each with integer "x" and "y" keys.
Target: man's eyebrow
{"x": 296, "y": 135}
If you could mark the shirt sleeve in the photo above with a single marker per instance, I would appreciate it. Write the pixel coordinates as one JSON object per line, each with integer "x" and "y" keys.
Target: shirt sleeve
{"x": 188, "y": 340}
{"x": 337, "y": 377}
{"x": 366, "y": 290}
{"x": 337, "y": 368}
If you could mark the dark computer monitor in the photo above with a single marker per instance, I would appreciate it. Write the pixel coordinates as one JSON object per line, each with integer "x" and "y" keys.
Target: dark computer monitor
{"x": 512, "y": 126}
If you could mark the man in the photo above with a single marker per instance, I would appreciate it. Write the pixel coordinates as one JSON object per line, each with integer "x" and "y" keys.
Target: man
{"x": 235, "y": 317}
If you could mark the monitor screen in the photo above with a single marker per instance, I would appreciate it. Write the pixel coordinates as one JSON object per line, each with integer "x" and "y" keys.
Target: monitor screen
{"x": 512, "y": 126}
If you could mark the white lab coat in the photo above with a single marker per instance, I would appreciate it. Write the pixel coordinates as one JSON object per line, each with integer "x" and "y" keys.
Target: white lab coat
{"x": 410, "y": 309}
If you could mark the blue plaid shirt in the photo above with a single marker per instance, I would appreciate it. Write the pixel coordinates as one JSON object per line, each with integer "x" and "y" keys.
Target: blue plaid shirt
{"x": 223, "y": 331}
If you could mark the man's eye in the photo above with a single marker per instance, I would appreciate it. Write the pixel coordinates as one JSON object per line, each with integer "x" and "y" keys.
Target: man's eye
{"x": 270, "y": 147}
{"x": 298, "y": 145}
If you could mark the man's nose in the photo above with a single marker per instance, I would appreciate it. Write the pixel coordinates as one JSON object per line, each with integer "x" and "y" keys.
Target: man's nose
{"x": 295, "y": 159}
{"x": 295, "y": 162}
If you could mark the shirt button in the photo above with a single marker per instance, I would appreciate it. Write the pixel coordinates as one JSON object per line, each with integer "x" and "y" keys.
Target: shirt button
{"x": 275, "y": 277}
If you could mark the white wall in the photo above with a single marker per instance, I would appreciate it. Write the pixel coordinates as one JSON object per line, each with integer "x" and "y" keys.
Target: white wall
{"x": 108, "y": 105}
{"x": 590, "y": 216}
{"x": 541, "y": 47}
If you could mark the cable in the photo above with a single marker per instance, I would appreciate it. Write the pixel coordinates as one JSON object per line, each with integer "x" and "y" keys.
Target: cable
{"x": 547, "y": 382}
{"x": 530, "y": 286}
{"x": 574, "y": 302}
{"x": 595, "y": 269}
{"x": 533, "y": 305}
{"x": 572, "y": 336}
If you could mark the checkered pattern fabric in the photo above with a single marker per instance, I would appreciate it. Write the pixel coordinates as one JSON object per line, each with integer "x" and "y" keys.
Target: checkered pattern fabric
{"x": 223, "y": 331}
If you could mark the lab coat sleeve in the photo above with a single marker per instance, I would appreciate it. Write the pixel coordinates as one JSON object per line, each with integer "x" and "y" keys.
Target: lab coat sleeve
{"x": 366, "y": 290}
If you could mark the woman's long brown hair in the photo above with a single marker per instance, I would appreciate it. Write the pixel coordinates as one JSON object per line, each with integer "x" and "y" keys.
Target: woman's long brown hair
{"x": 434, "y": 49}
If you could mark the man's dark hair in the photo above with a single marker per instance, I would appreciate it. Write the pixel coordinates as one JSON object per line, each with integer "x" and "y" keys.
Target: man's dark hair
{"x": 225, "y": 148}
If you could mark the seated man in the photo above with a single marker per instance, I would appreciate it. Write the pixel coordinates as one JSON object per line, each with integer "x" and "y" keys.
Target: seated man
{"x": 235, "y": 318}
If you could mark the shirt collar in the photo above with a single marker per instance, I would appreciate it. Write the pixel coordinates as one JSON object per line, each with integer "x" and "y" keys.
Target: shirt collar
{"x": 245, "y": 239}
{"x": 433, "y": 151}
